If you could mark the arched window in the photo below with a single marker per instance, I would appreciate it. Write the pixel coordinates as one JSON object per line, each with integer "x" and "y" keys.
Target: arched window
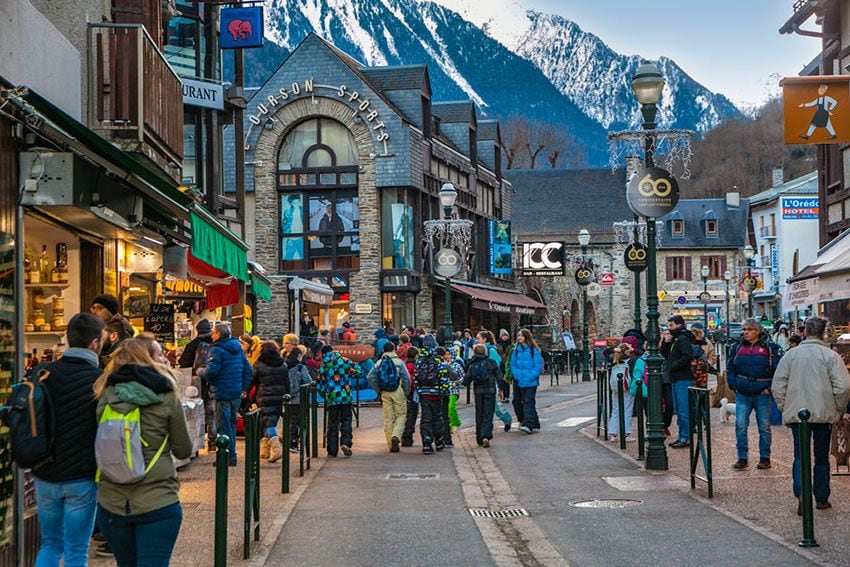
{"x": 319, "y": 203}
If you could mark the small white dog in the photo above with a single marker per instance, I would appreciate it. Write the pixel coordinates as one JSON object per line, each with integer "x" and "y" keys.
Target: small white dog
{"x": 727, "y": 410}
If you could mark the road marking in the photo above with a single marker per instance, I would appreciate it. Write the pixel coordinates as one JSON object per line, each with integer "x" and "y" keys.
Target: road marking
{"x": 646, "y": 483}
{"x": 517, "y": 541}
{"x": 574, "y": 421}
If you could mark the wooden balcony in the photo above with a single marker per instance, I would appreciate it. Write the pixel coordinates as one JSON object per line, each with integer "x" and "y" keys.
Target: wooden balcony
{"x": 135, "y": 99}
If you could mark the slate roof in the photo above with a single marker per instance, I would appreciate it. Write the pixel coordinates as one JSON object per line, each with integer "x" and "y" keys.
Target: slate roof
{"x": 398, "y": 77}
{"x": 487, "y": 129}
{"x": 731, "y": 224}
{"x": 454, "y": 111}
{"x": 560, "y": 202}
{"x": 803, "y": 185}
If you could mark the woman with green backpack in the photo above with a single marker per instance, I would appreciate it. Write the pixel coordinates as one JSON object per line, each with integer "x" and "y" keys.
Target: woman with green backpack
{"x": 139, "y": 508}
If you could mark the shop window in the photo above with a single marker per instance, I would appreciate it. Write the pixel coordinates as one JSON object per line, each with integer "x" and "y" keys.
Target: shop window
{"x": 397, "y": 234}
{"x": 319, "y": 205}
{"x": 399, "y": 309}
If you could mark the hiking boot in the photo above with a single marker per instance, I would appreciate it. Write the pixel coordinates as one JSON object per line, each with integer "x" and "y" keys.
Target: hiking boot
{"x": 346, "y": 450}
{"x": 394, "y": 443}
{"x": 103, "y": 550}
{"x": 741, "y": 465}
{"x": 428, "y": 449}
{"x": 507, "y": 427}
{"x": 486, "y": 443}
{"x": 823, "y": 505}
{"x": 525, "y": 429}
{"x": 440, "y": 446}
{"x": 406, "y": 443}
{"x": 231, "y": 463}
{"x": 764, "y": 464}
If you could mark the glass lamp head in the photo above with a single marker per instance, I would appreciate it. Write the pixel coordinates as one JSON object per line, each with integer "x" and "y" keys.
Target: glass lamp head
{"x": 584, "y": 237}
{"x": 648, "y": 83}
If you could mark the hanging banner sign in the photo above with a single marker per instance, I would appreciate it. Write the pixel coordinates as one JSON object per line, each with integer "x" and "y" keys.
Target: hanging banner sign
{"x": 584, "y": 276}
{"x": 501, "y": 254}
{"x": 543, "y": 259}
{"x": 635, "y": 257}
{"x": 800, "y": 209}
{"x": 652, "y": 193}
{"x": 816, "y": 109}
{"x": 241, "y": 28}
{"x": 203, "y": 94}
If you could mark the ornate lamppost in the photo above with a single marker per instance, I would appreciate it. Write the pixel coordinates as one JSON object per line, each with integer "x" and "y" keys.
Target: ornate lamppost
{"x": 584, "y": 240}
{"x": 705, "y": 297}
{"x": 727, "y": 277}
{"x": 749, "y": 254}
{"x": 448, "y": 196}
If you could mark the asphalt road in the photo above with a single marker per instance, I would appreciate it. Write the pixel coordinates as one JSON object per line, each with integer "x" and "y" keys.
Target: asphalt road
{"x": 354, "y": 514}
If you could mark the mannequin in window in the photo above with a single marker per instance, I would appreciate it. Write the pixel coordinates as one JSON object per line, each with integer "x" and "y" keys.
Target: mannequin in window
{"x": 331, "y": 222}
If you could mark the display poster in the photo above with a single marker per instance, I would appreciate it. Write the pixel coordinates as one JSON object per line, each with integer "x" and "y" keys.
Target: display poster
{"x": 501, "y": 254}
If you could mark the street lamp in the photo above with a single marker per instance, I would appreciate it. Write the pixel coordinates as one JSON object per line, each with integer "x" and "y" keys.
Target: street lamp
{"x": 704, "y": 271}
{"x": 727, "y": 277}
{"x": 749, "y": 254}
{"x": 448, "y": 196}
{"x": 584, "y": 240}
{"x": 647, "y": 85}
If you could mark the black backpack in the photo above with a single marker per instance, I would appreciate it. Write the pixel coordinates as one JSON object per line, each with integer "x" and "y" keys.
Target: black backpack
{"x": 29, "y": 416}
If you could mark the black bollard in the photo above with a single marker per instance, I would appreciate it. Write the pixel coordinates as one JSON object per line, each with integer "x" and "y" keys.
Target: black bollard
{"x": 640, "y": 430}
{"x": 805, "y": 437}
{"x": 600, "y": 414}
{"x": 314, "y": 421}
{"x": 222, "y": 443}
{"x": 287, "y": 445}
{"x": 622, "y": 407}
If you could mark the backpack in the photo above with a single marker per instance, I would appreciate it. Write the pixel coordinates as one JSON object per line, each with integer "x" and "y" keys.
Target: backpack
{"x": 29, "y": 416}
{"x": 482, "y": 372}
{"x": 118, "y": 447}
{"x": 428, "y": 372}
{"x": 388, "y": 379}
{"x": 699, "y": 367}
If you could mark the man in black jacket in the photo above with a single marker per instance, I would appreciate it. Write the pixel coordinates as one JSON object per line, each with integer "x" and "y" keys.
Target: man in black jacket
{"x": 65, "y": 487}
{"x": 679, "y": 367}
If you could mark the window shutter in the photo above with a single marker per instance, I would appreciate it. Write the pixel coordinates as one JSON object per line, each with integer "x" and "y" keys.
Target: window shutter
{"x": 688, "y": 273}
{"x": 722, "y": 265}
{"x": 669, "y": 261}
{"x": 703, "y": 261}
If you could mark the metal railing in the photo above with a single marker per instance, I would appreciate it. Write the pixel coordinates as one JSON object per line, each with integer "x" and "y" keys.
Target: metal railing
{"x": 700, "y": 437}
{"x": 252, "y": 481}
{"x": 767, "y": 231}
{"x": 134, "y": 96}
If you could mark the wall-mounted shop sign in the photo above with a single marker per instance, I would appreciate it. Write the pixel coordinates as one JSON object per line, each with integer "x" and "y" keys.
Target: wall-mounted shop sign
{"x": 800, "y": 209}
{"x": 363, "y": 308}
{"x": 543, "y": 259}
{"x": 816, "y": 109}
{"x": 203, "y": 94}
{"x": 241, "y": 28}
{"x": 361, "y": 105}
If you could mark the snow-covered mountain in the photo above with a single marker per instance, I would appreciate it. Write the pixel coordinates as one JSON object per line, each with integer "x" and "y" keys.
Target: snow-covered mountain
{"x": 541, "y": 66}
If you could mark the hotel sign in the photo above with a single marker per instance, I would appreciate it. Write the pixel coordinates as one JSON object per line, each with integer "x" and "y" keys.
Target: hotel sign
{"x": 203, "y": 94}
{"x": 800, "y": 209}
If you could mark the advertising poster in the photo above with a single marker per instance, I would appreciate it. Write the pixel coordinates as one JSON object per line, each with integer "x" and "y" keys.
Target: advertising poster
{"x": 501, "y": 256}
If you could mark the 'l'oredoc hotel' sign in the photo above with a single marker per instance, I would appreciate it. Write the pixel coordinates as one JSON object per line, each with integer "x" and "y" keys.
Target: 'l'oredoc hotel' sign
{"x": 361, "y": 105}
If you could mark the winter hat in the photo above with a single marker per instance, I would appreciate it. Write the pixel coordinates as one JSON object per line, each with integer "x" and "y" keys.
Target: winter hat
{"x": 631, "y": 341}
{"x": 107, "y": 301}
{"x": 346, "y": 324}
{"x": 503, "y": 332}
{"x": 204, "y": 327}
{"x": 380, "y": 334}
{"x": 428, "y": 341}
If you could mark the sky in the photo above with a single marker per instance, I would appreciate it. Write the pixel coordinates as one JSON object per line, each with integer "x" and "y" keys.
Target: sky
{"x": 730, "y": 46}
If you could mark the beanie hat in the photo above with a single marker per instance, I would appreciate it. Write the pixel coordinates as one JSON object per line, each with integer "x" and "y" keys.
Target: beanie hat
{"x": 204, "y": 327}
{"x": 108, "y": 301}
{"x": 428, "y": 341}
{"x": 631, "y": 341}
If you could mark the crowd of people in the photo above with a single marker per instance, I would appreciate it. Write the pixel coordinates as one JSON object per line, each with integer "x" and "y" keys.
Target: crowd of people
{"x": 771, "y": 375}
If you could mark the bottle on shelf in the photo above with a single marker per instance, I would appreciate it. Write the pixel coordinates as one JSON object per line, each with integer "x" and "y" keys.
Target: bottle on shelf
{"x": 62, "y": 262}
{"x": 34, "y": 274}
{"x": 44, "y": 265}
{"x": 54, "y": 274}
{"x": 29, "y": 261}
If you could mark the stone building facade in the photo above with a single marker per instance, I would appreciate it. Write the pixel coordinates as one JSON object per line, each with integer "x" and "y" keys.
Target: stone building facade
{"x": 344, "y": 163}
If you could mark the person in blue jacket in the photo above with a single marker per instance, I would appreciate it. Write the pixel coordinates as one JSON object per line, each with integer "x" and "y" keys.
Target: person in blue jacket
{"x": 526, "y": 366}
{"x": 228, "y": 373}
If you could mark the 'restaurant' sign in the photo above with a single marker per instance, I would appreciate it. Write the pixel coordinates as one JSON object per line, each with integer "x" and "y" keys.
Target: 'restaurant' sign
{"x": 203, "y": 94}
{"x": 543, "y": 259}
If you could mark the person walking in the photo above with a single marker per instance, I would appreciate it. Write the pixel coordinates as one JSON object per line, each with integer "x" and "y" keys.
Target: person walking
{"x": 271, "y": 378}
{"x": 679, "y": 368}
{"x": 299, "y": 375}
{"x": 412, "y": 398}
{"x": 526, "y": 365}
{"x": 65, "y": 488}
{"x": 505, "y": 346}
{"x": 451, "y": 417}
{"x": 749, "y": 371}
{"x": 389, "y": 378}
{"x": 228, "y": 374}
{"x": 141, "y": 521}
{"x": 486, "y": 338}
{"x": 620, "y": 372}
{"x": 431, "y": 377}
{"x": 781, "y": 337}
{"x": 194, "y": 356}
{"x": 336, "y": 375}
{"x": 483, "y": 374}
{"x": 814, "y": 377}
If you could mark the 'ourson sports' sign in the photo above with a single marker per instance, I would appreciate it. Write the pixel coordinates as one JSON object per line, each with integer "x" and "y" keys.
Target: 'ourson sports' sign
{"x": 798, "y": 209}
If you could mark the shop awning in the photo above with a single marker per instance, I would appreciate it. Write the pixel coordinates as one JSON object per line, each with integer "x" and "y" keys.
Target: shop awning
{"x": 261, "y": 286}
{"x": 312, "y": 292}
{"x": 490, "y": 299}
{"x": 825, "y": 279}
{"x": 216, "y": 245}
{"x": 221, "y": 289}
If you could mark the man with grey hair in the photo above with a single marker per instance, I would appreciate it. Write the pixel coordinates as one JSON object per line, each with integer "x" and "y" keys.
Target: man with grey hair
{"x": 228, "y": 374}
{"x": 752, "y": 362}
{"x": 814, "y": 377}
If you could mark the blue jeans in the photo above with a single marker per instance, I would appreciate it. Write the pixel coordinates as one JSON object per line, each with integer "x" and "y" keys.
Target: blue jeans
{"x": 744, "y": 406}
{"x": 821, "y": 436}
{"x": 225, "y": 421}
{"x": 680, "y": 405}
{"x": 143, "y": 540}
{"x": 628, "y": 409}
{"x": 66, "y": 520}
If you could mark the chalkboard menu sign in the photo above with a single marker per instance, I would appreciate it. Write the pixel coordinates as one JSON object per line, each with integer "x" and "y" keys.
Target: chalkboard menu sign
{"x": 160, "y": 322}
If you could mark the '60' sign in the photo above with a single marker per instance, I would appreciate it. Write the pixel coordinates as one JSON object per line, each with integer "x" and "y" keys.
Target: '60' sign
{"x": 584, "y": 276}
{"x": 447, "y": 262}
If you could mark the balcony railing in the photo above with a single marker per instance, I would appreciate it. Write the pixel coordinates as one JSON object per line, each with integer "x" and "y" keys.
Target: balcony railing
{"x": 765, "y": 262}
{"x": 135, "y": 97}
{"x": 767, "y": 232}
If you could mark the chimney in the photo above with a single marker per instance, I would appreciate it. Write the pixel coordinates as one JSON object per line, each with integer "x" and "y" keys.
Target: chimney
{"x": 733, "y": 199}
{"x": 778, "y": 176}
{"x": 633, "y": 165}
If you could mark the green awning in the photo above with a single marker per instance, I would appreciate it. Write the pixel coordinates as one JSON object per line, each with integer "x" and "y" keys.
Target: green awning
{"x": 260, "y": 286}
{"x": 216, "y": 245}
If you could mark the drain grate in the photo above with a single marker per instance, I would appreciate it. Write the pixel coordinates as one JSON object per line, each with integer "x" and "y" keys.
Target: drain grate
{"x": 413, "y": 476}
{"x": 507, "y": 513}
{"x": 608, "y": 503}
{"x": 191, "y": 505}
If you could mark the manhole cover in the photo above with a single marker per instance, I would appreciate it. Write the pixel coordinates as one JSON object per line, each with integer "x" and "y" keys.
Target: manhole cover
{"x": 606, "y": 503}
{"x": 413, "y": 476}
{"x": 508, "y": 513}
